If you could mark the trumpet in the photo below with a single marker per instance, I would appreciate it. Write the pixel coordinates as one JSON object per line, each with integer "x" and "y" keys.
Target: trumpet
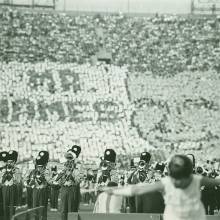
{"x": 104, "y": 165}
{"x": 9, "y": 172}
{"x": 141, "y": 165}
{"x": 37, "y": 177}
{"x": 67, "y": 171}
{"x": 40, "y": 177}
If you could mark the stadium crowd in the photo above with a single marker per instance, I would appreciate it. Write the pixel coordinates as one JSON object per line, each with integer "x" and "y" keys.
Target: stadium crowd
{"x": 158, "y": 45}
{"x": 164, "y": 45}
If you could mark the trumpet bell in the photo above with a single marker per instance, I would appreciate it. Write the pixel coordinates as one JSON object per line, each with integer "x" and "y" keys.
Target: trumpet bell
{"x": 141, "y": 164}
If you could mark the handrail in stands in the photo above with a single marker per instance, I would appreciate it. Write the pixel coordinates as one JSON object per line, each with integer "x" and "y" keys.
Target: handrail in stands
{"x": 27, "y": 213}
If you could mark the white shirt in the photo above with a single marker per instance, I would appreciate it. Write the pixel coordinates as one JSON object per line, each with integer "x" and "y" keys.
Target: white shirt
{"x": 106, "y": 203}
{"x": 183, "y": 204}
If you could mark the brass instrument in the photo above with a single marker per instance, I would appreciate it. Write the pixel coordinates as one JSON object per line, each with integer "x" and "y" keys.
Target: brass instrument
{"x": 141, "y": 165}
{"x": 66, "y": 173}
{"x": 140, "y": 174}
{"x": 40, "y": 177}
{"x": 36, "y": 178}
{"x": 105, "y": 176}
{"x": 9, "y": 172}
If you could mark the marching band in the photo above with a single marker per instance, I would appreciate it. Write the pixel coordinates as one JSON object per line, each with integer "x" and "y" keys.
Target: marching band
{"x": 44, "y": 183}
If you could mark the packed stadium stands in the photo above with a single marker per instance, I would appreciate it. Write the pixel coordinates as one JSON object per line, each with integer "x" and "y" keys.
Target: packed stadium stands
{"x": 161, "y": 90}
{"x": 164, "y": 45}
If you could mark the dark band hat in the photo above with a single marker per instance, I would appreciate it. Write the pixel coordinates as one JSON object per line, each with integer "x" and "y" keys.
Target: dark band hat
{"x": 3, "y": 156}
{"x": 73, "y": 153}
{"x": 160, "y": 167}
{"x": 145, "y": 156}
{"x": 42, "y": 158}
{"x": 12, "y": 155}
{"x": 110, "y": 155}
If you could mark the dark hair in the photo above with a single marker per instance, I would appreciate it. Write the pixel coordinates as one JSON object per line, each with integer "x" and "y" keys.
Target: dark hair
{"x": 192, "y": 157}
{"x": 180, "y": 166}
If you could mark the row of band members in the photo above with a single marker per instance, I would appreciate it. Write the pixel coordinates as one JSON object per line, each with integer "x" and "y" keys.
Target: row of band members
{"x": 42, "y": 183}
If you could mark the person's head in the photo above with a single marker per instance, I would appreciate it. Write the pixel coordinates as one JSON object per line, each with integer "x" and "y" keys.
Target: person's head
{"x": 180, "y": 170}
{"x": 90, "y": 174}
{"x": 12, "y": 157}
{"x": 10, "y": 162}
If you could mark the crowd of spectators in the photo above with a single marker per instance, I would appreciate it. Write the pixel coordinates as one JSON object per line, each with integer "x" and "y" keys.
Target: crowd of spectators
{"x": 53, "y": 106}
{"x": 164, "y": 45}
{"x": 163, "y": 81}
{"x": 183, "y": 110}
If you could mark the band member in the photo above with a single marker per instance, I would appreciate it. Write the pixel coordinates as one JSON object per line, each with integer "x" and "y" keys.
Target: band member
{"x": 137, "y": 176}
{"x": 54, "y": 189}
{"x": 83, "y": 187}
{"x": 89, "y": 184}
{"x": 122, "y": 180}
{"x": 107, "y": 171}
{"x": 152, "y": 202}
{"x": 140, "y": 174}
{"x": 20, "y": 187}
{"x": 38, "y": 180}
{"x": 10, "y": 179}
{"x": 3, "y": 160}
{"x": 159, "y": 171}
{"x": 69, "y": 180}
{"x": 29, "y": 189}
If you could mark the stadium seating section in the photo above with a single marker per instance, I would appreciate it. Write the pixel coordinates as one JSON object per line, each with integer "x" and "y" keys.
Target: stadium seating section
{"x": 161, "y": 92}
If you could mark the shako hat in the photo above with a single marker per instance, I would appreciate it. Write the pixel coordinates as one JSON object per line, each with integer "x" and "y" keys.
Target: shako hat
{"x": 145, "y": 156}
{"x": 110, "y": 155}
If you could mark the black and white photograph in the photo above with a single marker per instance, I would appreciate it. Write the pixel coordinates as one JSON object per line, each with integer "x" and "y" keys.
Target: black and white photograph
{"x": 109, "y": 109}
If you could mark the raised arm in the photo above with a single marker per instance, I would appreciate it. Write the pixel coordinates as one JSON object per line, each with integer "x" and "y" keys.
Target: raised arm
{"x": 209, "y": 182}
{"x": 137, "y": 189}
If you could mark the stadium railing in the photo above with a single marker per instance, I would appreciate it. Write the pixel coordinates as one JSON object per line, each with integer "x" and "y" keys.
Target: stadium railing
{"x": 35, "y": 213}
